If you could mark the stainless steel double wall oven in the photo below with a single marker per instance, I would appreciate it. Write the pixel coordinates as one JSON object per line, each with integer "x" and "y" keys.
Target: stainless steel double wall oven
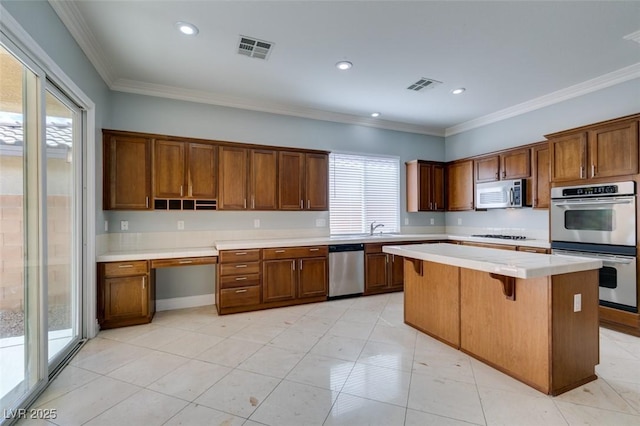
{"x": 600, "y": 221}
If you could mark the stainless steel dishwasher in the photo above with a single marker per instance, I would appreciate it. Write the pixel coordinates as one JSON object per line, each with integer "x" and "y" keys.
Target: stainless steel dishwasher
{"x": 346, "y": 270}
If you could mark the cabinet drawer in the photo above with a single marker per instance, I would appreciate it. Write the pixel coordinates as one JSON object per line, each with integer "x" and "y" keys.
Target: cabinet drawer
{"x": 235, "y": 256}
{"x": 243, "y": 296}
{"x": 125, "y": 269}
{"x": 240, "y": 268}
{"x": 294, "y": 252}
{"x": 239, "y": 280}
{"x": 532, "y": 249}
{"x": 186, "y": 261}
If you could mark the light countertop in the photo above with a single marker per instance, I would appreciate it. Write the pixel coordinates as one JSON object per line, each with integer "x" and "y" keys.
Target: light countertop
{"x": 510, "y": 263}
{"x": 150, "y": 254}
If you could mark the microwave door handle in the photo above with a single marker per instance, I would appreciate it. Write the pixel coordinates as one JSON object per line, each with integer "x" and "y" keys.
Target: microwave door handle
{"x": 510, "y": 196}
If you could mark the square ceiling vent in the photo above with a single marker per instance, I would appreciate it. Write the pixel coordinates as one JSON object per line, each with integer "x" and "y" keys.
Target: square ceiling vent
{"x": 424, "y": 83}
{"x": 254, "y": 48}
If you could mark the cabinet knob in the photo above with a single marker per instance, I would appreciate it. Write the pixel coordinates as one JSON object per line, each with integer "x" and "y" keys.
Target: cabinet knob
{"x": 504, "y": 174}
{"x": 184, "y": 262}
{"x": 241, "y": 278}
{"x": 308, "y": 204}
{"x": 181, "y": 190}
{"x": 125, "y": 266}
{"x": 144, "y": 282}
{"x": 241, "y": 266}
{"x": 241, "y": 291}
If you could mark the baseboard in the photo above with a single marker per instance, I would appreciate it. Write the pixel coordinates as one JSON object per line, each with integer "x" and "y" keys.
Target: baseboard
{"x": 185, "y": 302}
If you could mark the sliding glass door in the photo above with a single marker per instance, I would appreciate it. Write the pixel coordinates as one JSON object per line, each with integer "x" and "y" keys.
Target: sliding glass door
{"x": 40, "y": 228}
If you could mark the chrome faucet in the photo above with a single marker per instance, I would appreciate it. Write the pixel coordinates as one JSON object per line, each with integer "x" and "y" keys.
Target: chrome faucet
{"x": 373, "y": 228}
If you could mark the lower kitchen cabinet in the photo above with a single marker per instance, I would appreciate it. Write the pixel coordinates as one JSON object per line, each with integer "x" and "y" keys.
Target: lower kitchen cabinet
{"x": 313, "y": 277}
{"x": 383, "y": 272}
{"x": 279, "y": 280}
{"x": 294, "y": 273}
{"x": 126, "y": 294}
{"x": 238, "y": 281}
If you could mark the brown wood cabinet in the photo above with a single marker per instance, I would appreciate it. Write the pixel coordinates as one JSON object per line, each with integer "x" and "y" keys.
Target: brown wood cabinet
{"x": 384, "y": 272}
{"x": 184, "y": 170}
{"x": 460, "y": 185}
{"x": 489, "y": 245}
{"x": 248, "y": 179}
{"x": 238, "y": 281}
{"x": 425, "y": 186}
{"x": 532, "y": 249}
{"x": 126, "y": 171}
{"x": 601, "y": 150}
{"x": 303, "y": 181}
{"x": 294, "y": 273}
{"x": 126, "y": 294}
{"x": 512, "y": 164}
{"x": 540, "y": 188}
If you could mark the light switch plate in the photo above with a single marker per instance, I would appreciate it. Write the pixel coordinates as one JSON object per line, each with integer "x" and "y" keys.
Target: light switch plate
{"x": 577, "y": 302}
{"x": 459, "y": 221}
{"x": 124, "y": 225}
{"x": 406, "y": 220}
{"x": 181, "y": 225}
{"x": 432, "y": 221}
{"x": 256, "y": 223}
{"x": 321, "y": 223}
{"x": 106, "y": 225}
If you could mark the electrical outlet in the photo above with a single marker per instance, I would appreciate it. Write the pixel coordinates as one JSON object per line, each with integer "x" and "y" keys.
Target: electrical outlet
{"x": 432, "y": 221}
{"x": 406, "y": 220}
{"x": 256, "y": 223}
{"x": 577, "y": 302}
{"x": 124, "y": 225}
{"x": 459, "y": 221}
{"x": 181, "y": 225}
{"x": 321, "y": 223}
{"x": 106, "y": 225}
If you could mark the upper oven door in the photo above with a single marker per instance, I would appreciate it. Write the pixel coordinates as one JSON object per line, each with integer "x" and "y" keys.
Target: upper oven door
{"x": 606, "y": 220}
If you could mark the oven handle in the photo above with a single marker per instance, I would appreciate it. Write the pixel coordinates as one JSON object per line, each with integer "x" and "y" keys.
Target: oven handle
{"x": 605, "y": 258}
{"x": 592, "y": 202}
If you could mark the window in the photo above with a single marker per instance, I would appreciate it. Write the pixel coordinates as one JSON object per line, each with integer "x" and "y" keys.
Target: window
{"x": 363, "y": 189}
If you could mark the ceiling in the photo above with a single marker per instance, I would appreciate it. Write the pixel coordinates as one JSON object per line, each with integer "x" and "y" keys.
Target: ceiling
{"x": 511, "y": 57}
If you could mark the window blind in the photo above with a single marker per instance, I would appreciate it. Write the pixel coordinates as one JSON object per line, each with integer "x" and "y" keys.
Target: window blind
{"x": 363, "y": 189}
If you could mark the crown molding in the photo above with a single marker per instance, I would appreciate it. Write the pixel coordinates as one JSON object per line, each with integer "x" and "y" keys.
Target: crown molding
{"x": 198, "y": 96}
{"x": 611, "y": 79}
{"x": 71, "y": 17}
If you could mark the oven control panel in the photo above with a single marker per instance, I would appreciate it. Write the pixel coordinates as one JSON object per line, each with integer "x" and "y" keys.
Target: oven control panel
{"x": 607, "y": 189}
{"x": 590, "y": 190}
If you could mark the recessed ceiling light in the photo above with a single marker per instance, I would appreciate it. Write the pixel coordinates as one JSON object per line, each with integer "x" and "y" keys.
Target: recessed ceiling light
{"x": 458, "y": 91}
{"x": 344, "y": 65}
{"x": 187, "y": 28}
{"x": 375, "y": 114}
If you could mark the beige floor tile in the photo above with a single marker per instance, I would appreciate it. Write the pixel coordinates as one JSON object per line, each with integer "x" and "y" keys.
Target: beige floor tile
{"x": 339, "y": 347}
{"x": 238, "y": 393}
{"x": 144, "y": 408}
{"x": 629, "y": 391}
{"x": 200, "y": 415}
{"x": 296, "y": 340}
{"x": 419, "y": 418}
{"x": 311, "y": 324}
{"x": 157, "y": 337}
{"x": 191, "y": 344}
{"x": 324, "y": 372}
{"x": 394, "y": 335}
{"x": 224, "y": 327}
{"x": 377, "y": 383}
{"x": 230, "y": 352}
{"x": 295, "y": 404}
{"x": 271, "y": 361}
{"x": 190, "y": 380}
{"x": 581, "y": 415}
{"x": 69, "y": 379}
{"x": 387, "y": 355}
{"x": 502, "y": 408}
{"x": 620, "y": 369}
{"x": 361, "y": 316}
{"x": 457, "y": 367}
{"x": 259, "y": 333}
{"x": 351, "y": 329}
{"x": 148, "y": 369}
{"x": 352, "y": 410}
{"x": 598, "y": 394}
{"x": 111, "y": 358}
{"x": 124, "y": 334}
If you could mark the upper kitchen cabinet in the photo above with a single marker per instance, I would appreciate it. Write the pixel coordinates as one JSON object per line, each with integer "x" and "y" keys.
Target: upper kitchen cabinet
{"x": 540, "y": 189}
{"x": 126, "y": 171}
{"x": 511, "y": 164}
{"x": 460, "y": 185}
{"x": 425, "y": 186}
{"x": 248, "y": 179}
{"x": 303, "y": 181}
{"x": 600, "y": 150}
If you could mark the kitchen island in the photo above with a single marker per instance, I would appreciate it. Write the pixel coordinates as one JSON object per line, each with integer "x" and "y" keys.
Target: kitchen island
{"x": 532, "y": 316}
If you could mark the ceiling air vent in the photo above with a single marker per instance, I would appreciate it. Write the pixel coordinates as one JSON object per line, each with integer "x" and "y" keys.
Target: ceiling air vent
{"x": 424, "y": 83}
{"x": 254, "y": 48}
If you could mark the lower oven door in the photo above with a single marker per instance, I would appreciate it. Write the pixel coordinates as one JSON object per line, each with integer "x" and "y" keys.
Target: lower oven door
{"x": 617, "y": 279}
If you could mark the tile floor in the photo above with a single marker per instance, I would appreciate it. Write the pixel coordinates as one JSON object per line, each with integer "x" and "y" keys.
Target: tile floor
{"x": 348, "y": 362}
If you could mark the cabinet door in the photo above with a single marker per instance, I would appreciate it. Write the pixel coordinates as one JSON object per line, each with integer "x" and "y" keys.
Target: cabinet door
{"x": 126, "y": 298}
{"x": 376, "y": 277}
{"x": 127, "y": 165}
{"x": 168, "y": 169}
{"x": 487, "y": 169}
{"x": 515, "y": 164}
{"x": 396, "y": 271}
{"x": 312, "y": 277}
{"x": 263, "y": 180}
{"x": 233, "y": 178}
{"x": 437, "y": 187}
{"x": 290, "y": 180}
{"x": 425, "y": 182}
{"x": 613, "y": 150}
{"x": 460, "y": 186}
{"x": 278, "y": 280}
{"x": 567, "y": 157}
{"x": 541, "y": 190}
{"x": 203, "y": 171}
{"x": 317, "y": 181}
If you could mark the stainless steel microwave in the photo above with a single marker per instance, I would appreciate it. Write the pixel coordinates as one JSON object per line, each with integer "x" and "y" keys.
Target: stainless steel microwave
{"x": 500, "y": 194}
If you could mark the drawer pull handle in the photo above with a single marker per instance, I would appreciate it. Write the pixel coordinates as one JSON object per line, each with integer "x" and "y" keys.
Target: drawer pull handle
{"x": 185, "y": 261}
{"x": 241, "y": 278}
{"x": 241, "y": 266}
{"x": 241, "y": 291}
{"x": 280, "y": 251}
{"x": 314, "y": 249}
{"x": 241, "y": 253}
{"x": 125, "y": 266}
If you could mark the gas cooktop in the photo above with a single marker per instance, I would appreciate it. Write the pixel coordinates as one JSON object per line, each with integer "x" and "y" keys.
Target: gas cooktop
{"x": 503, "y": 237}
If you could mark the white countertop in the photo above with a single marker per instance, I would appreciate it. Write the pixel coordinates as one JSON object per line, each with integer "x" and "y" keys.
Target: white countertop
{"x": 171, "y": 253}
{"x": 510, "y": 263}
{"x": 175, "y": 253}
